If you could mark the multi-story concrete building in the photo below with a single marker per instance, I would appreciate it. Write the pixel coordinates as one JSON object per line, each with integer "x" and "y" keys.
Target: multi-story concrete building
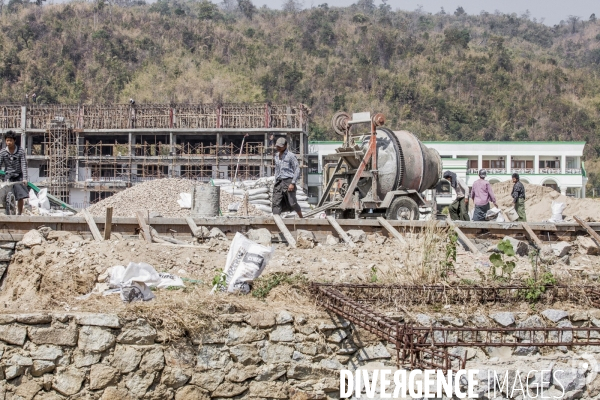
{"x": 555, "y": 164}
{"x": 85, "y": 153}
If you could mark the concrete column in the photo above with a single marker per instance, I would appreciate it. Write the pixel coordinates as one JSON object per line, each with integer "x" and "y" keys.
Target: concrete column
{"x": 29, "y": 144}
{"x": 223, "y": 169}
{"x": 563, "y": 164}
{"x": 479, "y": 162}
{"x": 24, "y": 142}
{"x": 563, "y": 190}
{"x": 508, "y": 164}
{"x": 536, "y": 164}
{"x": 23, "y": 117}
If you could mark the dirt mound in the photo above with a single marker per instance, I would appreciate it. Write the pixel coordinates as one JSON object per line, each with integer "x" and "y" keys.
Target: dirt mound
{"x": 538, "y": 202}
{"x": 157, "y": 196}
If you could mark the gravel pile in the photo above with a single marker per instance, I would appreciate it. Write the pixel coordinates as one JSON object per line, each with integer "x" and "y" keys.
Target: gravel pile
{"x": 158, "y": 196}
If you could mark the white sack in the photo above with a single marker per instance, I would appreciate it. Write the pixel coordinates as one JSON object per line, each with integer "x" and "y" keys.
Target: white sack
{"x": 263, "y": 208}
{"x": 260, "y": 196}
{"x": 253, "y": 192}
{"x": 220, "y": 182}
{"x": 185, "y": 200}
{"x": 33, "y": 200}
{"x": 557, "y": 209}
{"x": 260, "y": 201}
{"x": 301, "y": 197}
{"x": 135, "y": 281}
{"x": 246, "y": 260}
{"x": 44, "y": 203}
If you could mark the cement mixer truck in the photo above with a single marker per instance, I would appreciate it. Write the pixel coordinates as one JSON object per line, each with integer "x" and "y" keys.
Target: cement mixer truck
{"x": 380, "y": 173}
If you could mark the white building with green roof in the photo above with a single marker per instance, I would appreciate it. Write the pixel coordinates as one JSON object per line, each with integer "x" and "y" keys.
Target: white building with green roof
{"x": 554, "y": 164}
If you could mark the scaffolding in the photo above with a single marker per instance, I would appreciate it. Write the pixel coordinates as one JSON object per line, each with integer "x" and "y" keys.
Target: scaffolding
{"x": 60, "y": 150}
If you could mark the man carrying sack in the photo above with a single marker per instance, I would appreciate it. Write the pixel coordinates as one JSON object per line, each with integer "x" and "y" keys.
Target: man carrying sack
{"x": 518, "y": 195}
{"x": 458, "y": 210}
{"x": 482, "y": 194}
{"x": 287, "y": 172}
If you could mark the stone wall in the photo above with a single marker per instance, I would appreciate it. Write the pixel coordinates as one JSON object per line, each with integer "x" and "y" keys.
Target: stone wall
{"x": 102, "y": 356}
{"x": 243, "y": 355}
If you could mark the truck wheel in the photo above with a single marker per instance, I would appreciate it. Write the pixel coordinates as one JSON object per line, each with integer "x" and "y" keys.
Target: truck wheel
{"x": 10, "y": 204}
{"x": 403, "y": 208}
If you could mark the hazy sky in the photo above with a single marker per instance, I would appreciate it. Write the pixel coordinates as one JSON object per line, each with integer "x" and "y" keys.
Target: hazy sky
{"x": 551, "y": 10}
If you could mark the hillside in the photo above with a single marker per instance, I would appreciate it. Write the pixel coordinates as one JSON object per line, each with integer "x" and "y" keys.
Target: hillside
{"x": 448, "y": 76}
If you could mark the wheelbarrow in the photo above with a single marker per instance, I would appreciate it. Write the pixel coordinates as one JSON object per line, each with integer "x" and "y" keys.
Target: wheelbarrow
{"x": 8, "y": 200}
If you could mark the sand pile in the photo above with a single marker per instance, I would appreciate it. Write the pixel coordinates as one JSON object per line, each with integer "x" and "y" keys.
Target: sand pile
{"x": 157, "y": 196}
{"x": 538, "y": 201}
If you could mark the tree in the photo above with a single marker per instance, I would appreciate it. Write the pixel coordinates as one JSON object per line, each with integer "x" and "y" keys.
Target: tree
{"x": 573, "y": 19}
{"x": 459, "y": 11}
{"x": 292, "y": 6}
{"x": 367, "y": 6}
{"x": 593, "y": 17}
{"x": 208, "y": 10}
{"x": 247, "y": 8}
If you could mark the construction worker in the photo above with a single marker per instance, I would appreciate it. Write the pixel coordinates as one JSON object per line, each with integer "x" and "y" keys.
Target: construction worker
{"x": 12, "y": 158}
{"x": 459, "y": 209}
{"x": 287, "y": 172}
{"x": 482, "y": 194}
{"x": 518, "y": 195}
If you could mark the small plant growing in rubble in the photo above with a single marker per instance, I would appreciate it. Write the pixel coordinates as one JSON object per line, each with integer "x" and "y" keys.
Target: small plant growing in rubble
{"x": 536, "y": 287}
{"x": 374, "y": 274}
{"x": 450, "y": 258}
{"x": 220, "y": 279}
{"x": 502, "y": 261}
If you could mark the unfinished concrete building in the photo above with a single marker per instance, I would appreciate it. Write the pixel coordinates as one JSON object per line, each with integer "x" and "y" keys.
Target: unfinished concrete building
{"x": 88, "y": 152}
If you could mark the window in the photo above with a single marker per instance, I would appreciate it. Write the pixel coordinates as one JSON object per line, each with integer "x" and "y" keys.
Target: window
{"x": 313, "y": 164}
{"x": 473, "y": 164}
{"x": 517, "y": 164}
{"x": 43, "y": 171}
{"x": 572, "y": 162}
{"x": 97, "y": 196}
{"x": 499, "y": 164}
{"x": 153, "y": 170}
{"x": 486, "y": 163}
{"x": 247, "y": 172}
{"x": 549, "y": 164}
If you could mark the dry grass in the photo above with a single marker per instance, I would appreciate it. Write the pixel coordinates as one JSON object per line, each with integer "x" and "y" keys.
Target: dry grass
{"x": 425, "y": 256}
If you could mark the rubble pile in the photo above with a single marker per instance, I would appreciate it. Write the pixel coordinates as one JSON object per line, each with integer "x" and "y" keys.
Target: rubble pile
{"x": 538, "y": 202}
{"x": 159, "y": 197}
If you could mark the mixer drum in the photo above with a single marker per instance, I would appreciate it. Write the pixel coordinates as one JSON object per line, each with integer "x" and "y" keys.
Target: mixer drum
{"x": 403, "y": 162}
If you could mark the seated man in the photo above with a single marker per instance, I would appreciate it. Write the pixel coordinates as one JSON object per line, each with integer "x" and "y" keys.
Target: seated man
{"x": 12, "y": 157}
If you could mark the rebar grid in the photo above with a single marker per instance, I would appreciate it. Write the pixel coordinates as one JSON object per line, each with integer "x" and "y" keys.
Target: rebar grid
{"x": 59, "y": 145}
{"x": 427, "y": 347}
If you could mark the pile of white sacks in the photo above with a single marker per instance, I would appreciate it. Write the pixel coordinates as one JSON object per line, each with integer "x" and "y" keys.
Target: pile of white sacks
{"x": 260, "y": 193}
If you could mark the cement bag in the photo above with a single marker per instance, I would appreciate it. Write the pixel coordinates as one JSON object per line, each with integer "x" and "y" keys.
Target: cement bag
{"x": 233, "y": 207}
{"x": 557, "y": 209}
{"x": 235, "y": 192}
{"x": 301, "y": 197}
{"x": 44, "y": 203}
{"x": 260, "y": 201}
{"x": 260, "y": 196}
{"x": 185, "y": 200}
{"x": 246, "y": 260}
{"x": 169, "y": 280}
{"x": 220, "y": 182}
{"x": 134, "y": 281}
{"x": 253, "y": 192}
{"x": 33, "y": 200}
{"x": 492, "y": 214}
{"x": 263, "y": 208}
{"x": 303, "y": 204}
{"x": 249, "y": 184}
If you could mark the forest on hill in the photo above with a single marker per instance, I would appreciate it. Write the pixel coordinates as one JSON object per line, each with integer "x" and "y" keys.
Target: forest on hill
{"x": 445, "y": 76}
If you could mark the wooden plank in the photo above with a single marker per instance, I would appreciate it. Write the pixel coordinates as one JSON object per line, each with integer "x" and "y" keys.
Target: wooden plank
{"x": 340, "y": 231}
{"x": 108, "y": 223}
{"x": 588, "y": 228}
{"x": 92, "y": 224}
{"x": 532, "y": 236}
{"x": 286, "y": 233}
{"x": 391, "y": 229}
{"x": 145, "y": 228}
{"x": 463, "y": 237}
